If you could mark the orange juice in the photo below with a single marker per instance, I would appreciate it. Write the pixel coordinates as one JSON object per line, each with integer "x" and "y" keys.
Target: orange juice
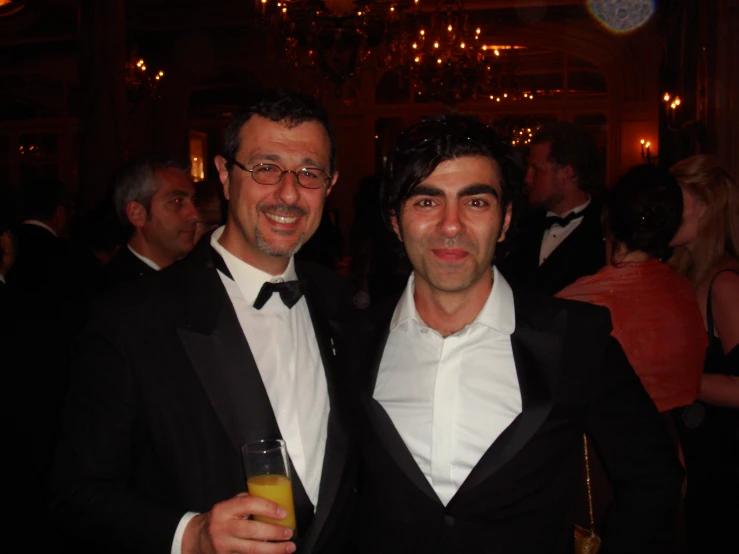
{"x": 279, "y": 490}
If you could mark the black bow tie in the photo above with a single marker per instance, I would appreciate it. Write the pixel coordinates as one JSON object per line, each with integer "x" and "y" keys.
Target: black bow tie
{"x": 561, "y": 221}
{"x": 290, "y": 292}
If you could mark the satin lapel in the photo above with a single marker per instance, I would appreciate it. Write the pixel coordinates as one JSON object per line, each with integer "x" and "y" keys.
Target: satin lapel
{"x": 227, "y": 370}
{"x": 537, "y": 353}
{"x": 337, "y": 438}
{"x": 382, "y": 424}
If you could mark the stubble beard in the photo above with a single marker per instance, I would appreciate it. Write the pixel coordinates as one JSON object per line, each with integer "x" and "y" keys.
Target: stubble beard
{"x": 273, "y": 250}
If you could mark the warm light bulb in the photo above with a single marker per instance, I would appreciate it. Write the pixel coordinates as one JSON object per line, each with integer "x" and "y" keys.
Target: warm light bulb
{"x": 505, "y": 95}
{"x": 673, "y": 105}
{"x": 484, "y": 47}
{"x": 491, "y": 97}
{"x": 415, "y": 45}
{"x": 195, "y": 159}
{"x": 642, "y": 141}
{"x": 143, "y": 68}
{"x": 423, "y": 32}
{"x": 461, "y": 45}
{"x": 436, "y": 45}
{"x": 284, "y": 10}
{"x": 392, "y": 8}
{"x": 497, "y": 99}
{"x": 496, "y": 52}
{"x": 677, "y": 100}
{"x": 449, "y": 28}
{"x": 667, "y": 97}
{"x": 417, "y": 59}
{"x": 477, "y": 30}
{"x": 161, "y": 73}
{"x": 438, "y": 61}
{"x": 359, "y": 13}
{"x": 648, "y": 144}
{"x": 264, "y": 1}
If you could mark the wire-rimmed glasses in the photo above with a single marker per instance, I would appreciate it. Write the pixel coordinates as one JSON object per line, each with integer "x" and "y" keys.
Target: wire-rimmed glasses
{"x": 271, "y": 174}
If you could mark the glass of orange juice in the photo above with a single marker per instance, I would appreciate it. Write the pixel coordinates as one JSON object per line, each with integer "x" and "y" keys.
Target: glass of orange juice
{"x": 268, "y": 476}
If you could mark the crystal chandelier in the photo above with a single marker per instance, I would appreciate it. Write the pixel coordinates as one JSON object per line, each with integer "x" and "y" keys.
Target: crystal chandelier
{"x": 336, "y": 38}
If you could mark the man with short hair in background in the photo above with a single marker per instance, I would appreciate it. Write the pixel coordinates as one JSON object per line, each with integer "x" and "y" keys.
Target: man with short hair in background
{"x": 154, "y": 197}
{"x": 560, "y": 239}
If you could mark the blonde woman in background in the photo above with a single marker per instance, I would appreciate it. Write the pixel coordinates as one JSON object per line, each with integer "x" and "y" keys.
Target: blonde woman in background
{"x": 707, "y": 251}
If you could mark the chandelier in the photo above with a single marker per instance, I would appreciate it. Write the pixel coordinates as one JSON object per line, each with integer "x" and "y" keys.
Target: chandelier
{"x": 435, "y": 49}
{"x": 337, "y": 38}
{"x": 141, "y": 81}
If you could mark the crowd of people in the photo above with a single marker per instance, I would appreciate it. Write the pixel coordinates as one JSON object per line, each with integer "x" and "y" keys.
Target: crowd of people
{"x": 511, "y": 352}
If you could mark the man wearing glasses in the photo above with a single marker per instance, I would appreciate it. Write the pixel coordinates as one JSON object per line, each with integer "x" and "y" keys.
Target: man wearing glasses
{"x": 205, "y": 358}
{"x": 475, "y": 395}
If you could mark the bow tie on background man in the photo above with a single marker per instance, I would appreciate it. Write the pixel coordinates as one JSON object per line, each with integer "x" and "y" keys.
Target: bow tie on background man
{"x": 290, "y": 292}
{"x": 551, "y": 220}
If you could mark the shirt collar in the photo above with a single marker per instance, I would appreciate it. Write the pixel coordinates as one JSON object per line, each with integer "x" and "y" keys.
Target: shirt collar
{"x": 41, "y": 224}
{"x": 248, "y": 278}
{"x": 497, "y": 313}
{"x": 151, "y": 263}
{"x": 576, "y": 209}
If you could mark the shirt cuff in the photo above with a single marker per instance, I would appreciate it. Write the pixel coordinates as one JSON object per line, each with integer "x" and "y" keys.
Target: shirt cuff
{"x": 180, "y": 531}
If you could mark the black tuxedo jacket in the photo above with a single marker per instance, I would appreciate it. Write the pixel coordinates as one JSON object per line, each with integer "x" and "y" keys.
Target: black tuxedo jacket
{"x": 581, "y": 253}
{"x": 123, "y": 267}
{"x": 163, "y": 396}
{"x": 519, "y": 498}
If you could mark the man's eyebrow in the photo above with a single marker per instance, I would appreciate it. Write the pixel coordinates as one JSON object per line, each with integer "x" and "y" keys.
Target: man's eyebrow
{"x": 425, "y": 190}
{"x": 475, "y": 190}
{"x": 178, "y": 193}
{"x": 305, "y": 162}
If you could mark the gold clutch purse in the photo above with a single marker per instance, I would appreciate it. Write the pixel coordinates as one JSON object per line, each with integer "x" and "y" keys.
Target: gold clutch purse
{"x": 587, "y": 541}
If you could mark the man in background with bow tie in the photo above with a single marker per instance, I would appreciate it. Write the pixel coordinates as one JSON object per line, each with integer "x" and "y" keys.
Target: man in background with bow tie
{"x": 560, "y": 239}
{"x": 177, "y": 372}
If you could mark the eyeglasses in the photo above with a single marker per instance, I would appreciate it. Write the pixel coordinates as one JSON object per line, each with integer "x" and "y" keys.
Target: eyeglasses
{"x": 271, "y": 174}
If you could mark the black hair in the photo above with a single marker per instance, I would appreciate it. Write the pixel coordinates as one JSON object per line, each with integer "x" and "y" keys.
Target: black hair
{"x": 42, "y": 196}
{"x": 281, "y": 106}
{"x": 428, "y": 143}
{"x": 643, "y": 210}
{"x": 572, "y": 145}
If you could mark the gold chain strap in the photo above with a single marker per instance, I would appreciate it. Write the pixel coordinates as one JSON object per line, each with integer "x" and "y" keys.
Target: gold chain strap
{"x": 587, "y": 480}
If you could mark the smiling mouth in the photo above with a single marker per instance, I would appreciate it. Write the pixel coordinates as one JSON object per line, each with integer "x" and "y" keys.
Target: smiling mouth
{"x": 283, "y": 219}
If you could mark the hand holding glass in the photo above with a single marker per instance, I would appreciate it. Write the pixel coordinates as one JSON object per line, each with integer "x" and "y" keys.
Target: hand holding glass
{"x": 268, "y": 476}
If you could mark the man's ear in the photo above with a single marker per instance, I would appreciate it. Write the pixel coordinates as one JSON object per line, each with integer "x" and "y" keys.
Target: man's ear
{"x": 570, "y": 173}
{"x": 136, "y": 214}
{"x": 506, "y": 222}
{"x": 223, "y": 175}
{"x": 396, "y": 225}
{"x": 332, "y": 183}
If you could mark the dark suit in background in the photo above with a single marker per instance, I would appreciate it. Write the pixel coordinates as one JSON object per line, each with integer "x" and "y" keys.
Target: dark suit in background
{"x": 163, "y": 397}
{"x": 124, "y": 267}
{"x": 519, "y": 498}
{"x": 581, "y": 253}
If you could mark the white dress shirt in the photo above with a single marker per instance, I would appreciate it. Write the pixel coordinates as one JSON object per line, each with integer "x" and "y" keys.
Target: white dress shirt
{"x": 450, "y": 398}
{"x": 555, "y": 235}
{"x": 284, "y": 346}
{"x": 144, "y": 259}
{"x": 41, "y": 224}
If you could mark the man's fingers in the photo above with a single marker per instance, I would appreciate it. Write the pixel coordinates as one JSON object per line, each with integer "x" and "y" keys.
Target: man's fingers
{"x": 253, "y": 505}
{"x": 261, "y": 531}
